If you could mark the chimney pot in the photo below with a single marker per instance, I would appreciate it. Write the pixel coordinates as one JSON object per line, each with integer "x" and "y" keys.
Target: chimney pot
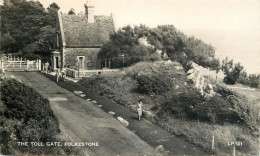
{"x": 89, "y": 7}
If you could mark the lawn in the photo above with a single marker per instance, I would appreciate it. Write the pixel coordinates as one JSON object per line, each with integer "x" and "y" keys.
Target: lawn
{"x": 253, "y": 94}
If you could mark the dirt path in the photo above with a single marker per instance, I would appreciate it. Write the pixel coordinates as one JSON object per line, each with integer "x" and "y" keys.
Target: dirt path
{"x": 84, "y": 122}
{"x": 145, "y": 130}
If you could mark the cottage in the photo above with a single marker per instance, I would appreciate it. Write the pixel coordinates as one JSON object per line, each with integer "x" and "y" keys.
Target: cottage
{"x": 79, "y": 39}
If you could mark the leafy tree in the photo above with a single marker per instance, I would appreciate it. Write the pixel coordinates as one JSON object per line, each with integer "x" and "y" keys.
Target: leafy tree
{"x": 52, "y": 14}
{"x": 23, "y": 23}
{"x": 172, "y": 43}
{"x": 171, "y": 40}
{"x": 252, "y": 80}
{"x": 232, "y": 71}
{"x": 71, "y": 12}
{"x": 124, "y": 48}
{"x": 7, "y": 43}
{"x": 54, "y": 6}
{"x": 201, "y": 53}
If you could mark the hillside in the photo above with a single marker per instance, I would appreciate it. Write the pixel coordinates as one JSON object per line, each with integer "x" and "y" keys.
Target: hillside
{"x": 174, "y": 101}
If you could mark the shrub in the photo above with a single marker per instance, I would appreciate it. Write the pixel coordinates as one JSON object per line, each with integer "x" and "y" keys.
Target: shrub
{"x": 23, "y": 102}
{"x": 217, "y": 110}
{"x": 25, "y": 116}
{"x": 244, "y": 109}
{"x": 153, "y": 84}
{"x": 191, "y": 104}
{"x": 181, "y": 105}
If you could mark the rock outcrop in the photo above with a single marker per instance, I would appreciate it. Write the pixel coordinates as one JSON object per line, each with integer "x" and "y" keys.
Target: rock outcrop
{"x": 202, "y": 78}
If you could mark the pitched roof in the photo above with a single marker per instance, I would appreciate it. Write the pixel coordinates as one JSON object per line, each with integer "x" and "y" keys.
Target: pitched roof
{"x": 79, "y": 33}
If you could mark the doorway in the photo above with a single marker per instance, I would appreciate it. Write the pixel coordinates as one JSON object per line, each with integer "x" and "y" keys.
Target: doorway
{"x": 57, "y": 62}
{"x": 81, "y": 60}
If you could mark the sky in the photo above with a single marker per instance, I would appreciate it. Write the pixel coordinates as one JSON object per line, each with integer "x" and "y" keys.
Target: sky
{"x": 231, "y": 26}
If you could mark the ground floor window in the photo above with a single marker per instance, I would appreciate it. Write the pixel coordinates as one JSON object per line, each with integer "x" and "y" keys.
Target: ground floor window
{"x": 106, "y": 63}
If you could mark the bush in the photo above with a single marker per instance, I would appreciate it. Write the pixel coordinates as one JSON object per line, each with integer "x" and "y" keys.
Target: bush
{"x": 153, "y": 84}
{"x": 23, "y": 102}
{"x": 244, "y": 109}
{"x": 181, "y": 105}
{"x": 25, "y": 116}
{"x": 217, "y": 110}
{"x": 190, "y": 104}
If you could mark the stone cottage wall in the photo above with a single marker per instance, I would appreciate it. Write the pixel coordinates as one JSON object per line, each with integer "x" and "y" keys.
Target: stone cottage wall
{"x": 91, "y": 61}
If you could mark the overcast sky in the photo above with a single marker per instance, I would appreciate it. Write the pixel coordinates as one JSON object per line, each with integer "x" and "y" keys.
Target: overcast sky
{"x": 231, "y": 26}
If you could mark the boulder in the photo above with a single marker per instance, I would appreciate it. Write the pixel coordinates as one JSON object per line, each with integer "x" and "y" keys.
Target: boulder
{"x": 123, "y": 121}
{"x": 111, "y": 113}
{"x": 78, "y": 92}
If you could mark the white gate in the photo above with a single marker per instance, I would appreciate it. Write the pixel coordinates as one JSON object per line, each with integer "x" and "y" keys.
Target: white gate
{"x": 27, "y": 65}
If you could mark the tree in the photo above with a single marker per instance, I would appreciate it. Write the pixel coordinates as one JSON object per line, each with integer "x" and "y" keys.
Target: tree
{"x": 54, "y": 6}
{"x": 125, "y": 49}
{"x": 231, "y": 71}
{"x": 24, "y": 22}
{"x": 172, "y": 43}
{"x": 71, "y": 12}
{"x": 171, "y": 40}
{"x": 8, "y": 43}
{"x": 201, "y": 53}
{"x": 52, "y": 14}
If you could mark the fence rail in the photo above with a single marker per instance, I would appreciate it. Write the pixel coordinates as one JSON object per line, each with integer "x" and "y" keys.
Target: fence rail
{"x": 27, "y": 65}
{"x": 87, "y": 73}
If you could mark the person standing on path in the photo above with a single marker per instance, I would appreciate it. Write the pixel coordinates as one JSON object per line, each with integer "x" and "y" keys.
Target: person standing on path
{"x": 64, "y": 72}
{"x": 139, "y": 109}
{"x": 58, "y": 74}
{"x": 46, "y": 67}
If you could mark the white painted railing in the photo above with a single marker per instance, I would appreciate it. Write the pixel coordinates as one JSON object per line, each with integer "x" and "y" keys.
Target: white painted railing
{"x": 20, "y": 65}
{"x": 87, "y": 73}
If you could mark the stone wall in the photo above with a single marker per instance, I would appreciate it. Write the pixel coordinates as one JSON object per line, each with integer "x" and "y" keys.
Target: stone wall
{"x": 91, "y": 61}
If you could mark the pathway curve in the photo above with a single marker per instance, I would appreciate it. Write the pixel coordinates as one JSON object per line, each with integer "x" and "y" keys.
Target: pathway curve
{"x": 83, "y": 110}
{"x": 84, "y": 122}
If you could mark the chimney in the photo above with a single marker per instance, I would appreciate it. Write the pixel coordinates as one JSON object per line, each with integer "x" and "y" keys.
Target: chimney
{"x": 89, "y": 7}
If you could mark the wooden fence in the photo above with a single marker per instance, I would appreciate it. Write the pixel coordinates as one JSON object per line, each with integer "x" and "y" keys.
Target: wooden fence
{"x": 87, "y": 73}
{"x": 27, "y": 65}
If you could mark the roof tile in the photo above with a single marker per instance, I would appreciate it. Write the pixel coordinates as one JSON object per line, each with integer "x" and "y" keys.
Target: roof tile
{"x": 78, "y": 32}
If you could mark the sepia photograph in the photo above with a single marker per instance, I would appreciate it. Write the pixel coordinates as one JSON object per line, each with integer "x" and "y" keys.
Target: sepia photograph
{"x": 130, "y": 77}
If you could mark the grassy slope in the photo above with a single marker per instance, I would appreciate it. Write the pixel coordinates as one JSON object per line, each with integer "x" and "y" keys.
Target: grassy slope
{"x": 253, "y": 94}
{"x": 122, "y": 88}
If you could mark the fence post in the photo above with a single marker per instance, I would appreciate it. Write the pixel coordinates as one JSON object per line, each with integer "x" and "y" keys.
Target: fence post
{"x": 78, "y": 70}
{"x": 20, "y": 64}
{"x": 213, "y": 139}
{"x": 234, "y": 151}
{"x": 37, "y": 64}
{"x": 40, "y": 65}
{"x": 74, "y": 74}
{"x": 27, "y": 64}
{"x": 2, "y": 64}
